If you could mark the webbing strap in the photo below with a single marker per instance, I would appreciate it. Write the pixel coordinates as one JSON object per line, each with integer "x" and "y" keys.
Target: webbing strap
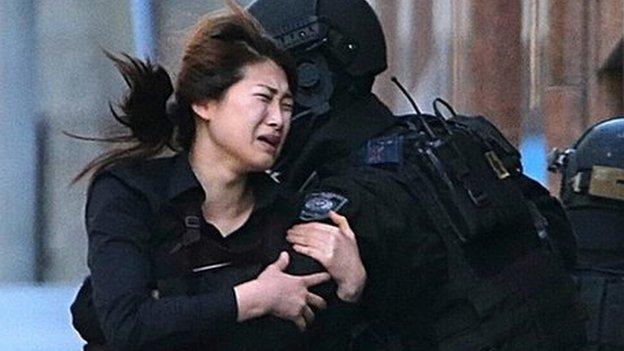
{"x": 541, "y": 227}
{"x": 421, "y": 188}
{"x": 460, "y": 274}
{"x": 181, "y": 282}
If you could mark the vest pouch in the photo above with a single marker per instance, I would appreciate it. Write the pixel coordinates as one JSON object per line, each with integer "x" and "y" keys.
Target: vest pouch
{"x": 505, "y": 290}
{"x": 482, "y": 200}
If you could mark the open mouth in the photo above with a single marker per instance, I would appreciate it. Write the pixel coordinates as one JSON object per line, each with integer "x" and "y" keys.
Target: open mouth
{"x": 270, "y": 140}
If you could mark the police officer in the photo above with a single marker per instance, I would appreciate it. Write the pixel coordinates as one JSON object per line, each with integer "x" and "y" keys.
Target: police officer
{"x": 592, "y": 191}
{"x": 428, "y": 288}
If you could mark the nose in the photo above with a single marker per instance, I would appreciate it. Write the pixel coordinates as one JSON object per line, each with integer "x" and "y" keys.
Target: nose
{"x": 276, "y": 117}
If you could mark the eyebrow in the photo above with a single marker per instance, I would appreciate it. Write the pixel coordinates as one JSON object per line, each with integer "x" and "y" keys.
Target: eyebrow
{"x": 275, "y": 91}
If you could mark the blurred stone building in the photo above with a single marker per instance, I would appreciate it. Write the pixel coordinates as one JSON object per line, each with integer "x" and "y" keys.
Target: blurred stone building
{"x": 542, "y": 70}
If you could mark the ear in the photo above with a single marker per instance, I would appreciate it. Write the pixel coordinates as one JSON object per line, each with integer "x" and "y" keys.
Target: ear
{"x": 203, "y": 109}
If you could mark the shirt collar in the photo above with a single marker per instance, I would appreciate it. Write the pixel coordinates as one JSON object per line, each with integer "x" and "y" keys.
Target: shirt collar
{"x": 267, "y": 191}
{"x": 183, "y": 180}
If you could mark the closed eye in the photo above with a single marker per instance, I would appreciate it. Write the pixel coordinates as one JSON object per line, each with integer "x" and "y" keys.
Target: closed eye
{"x": 264, "y": 97}
{"x": 287, "y": 107}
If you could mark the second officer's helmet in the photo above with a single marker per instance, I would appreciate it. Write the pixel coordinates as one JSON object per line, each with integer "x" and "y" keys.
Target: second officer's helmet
{"x": 338, "y": 44}
{"x": 593, "y": 168}
{"x": 592, "y": 190}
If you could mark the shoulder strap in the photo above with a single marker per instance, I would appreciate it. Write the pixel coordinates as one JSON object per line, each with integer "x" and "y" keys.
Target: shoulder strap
{"x": 177, "y": 281}
{"x": 191, "y": 219}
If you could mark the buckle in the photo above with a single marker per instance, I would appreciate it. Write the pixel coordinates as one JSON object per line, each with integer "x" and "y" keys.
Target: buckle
{"x": 191, "y": 222}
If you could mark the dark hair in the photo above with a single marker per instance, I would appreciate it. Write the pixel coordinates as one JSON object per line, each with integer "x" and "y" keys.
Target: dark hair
{"x": 214, "y": 56}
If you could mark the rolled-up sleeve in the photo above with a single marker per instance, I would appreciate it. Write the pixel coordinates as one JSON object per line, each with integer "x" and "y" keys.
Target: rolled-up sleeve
{"x": 118, "y": 224}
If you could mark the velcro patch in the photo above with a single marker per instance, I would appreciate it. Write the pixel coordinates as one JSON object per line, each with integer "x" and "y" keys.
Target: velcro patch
{"x": 384, "y": 150}
{"x": 317, "y": 205}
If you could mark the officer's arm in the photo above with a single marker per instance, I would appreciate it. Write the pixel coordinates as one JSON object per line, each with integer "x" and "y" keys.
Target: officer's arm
{"x": 333, "y": 245}
{"x": 322, "y": 242}
{"x": 405, "y": 255}
{"x": 360, "y": 206}
{"x": 122, "y": 278}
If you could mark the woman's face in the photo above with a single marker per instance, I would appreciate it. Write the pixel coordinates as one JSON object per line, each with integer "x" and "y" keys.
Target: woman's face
{"x": 248, "y": 126}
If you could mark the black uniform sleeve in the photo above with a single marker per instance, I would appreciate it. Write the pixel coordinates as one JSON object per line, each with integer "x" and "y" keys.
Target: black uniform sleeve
{"x": 559, "y": 228}
{"x": 118, "y": 225}
{"x": 403, "y": 256}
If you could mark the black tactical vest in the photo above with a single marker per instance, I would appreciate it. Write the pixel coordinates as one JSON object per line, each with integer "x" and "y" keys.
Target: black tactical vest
{"x": 599, "y": 271}
{"x": 603, "y": 292}
{"x": 507, "y": 288}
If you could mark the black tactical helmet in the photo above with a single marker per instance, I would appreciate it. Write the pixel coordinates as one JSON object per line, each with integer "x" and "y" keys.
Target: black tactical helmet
{"x": 338, "y": 44}
{"x": 592, "y": 190}
{"x": 593, "y": 169}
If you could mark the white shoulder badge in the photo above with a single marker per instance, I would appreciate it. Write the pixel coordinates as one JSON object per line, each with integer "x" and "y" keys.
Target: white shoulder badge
{"x": 317, "y": 205}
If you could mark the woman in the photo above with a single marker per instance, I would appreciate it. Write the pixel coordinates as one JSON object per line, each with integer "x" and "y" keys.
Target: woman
{"x": 187, "y": 252}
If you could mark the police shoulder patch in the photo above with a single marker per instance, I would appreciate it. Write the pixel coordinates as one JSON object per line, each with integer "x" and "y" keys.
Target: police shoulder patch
{"x": 384, "y": 150}
{"x": 317, "y": 205}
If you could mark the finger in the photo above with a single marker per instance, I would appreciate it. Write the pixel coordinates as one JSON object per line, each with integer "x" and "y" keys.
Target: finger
{"x": 308, "y": 314}
{"x": 312, "y": 227}
{"x": 298, "y": 239}
{"x": 321, "y": 235}
{"x": 311, "y": 252}
{"x": 316, "y": 301}
{"x": 305, "y": 240}
{"x": 300, "y": 323}
{"x": 342, "y": 223}
{"x": 282, "y": 261}
{"x": 314, "y": 279}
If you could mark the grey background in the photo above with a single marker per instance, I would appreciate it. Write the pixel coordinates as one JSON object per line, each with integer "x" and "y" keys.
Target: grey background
{"x": 54, "y": 77}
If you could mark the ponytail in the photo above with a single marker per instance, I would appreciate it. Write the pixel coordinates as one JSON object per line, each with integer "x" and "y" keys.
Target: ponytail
{"x": 143, "y": 112}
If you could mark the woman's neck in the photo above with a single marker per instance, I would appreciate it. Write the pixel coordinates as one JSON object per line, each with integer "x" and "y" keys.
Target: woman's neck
{"x": 228, "y": 195}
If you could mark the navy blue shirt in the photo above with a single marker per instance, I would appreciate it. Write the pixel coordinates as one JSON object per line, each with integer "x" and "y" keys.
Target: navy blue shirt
{"x": 154, "y": 290}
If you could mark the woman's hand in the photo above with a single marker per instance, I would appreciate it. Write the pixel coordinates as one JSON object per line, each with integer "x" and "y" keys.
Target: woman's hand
{"x": 335, "y": 247}
{"x": 282, "y": 295}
